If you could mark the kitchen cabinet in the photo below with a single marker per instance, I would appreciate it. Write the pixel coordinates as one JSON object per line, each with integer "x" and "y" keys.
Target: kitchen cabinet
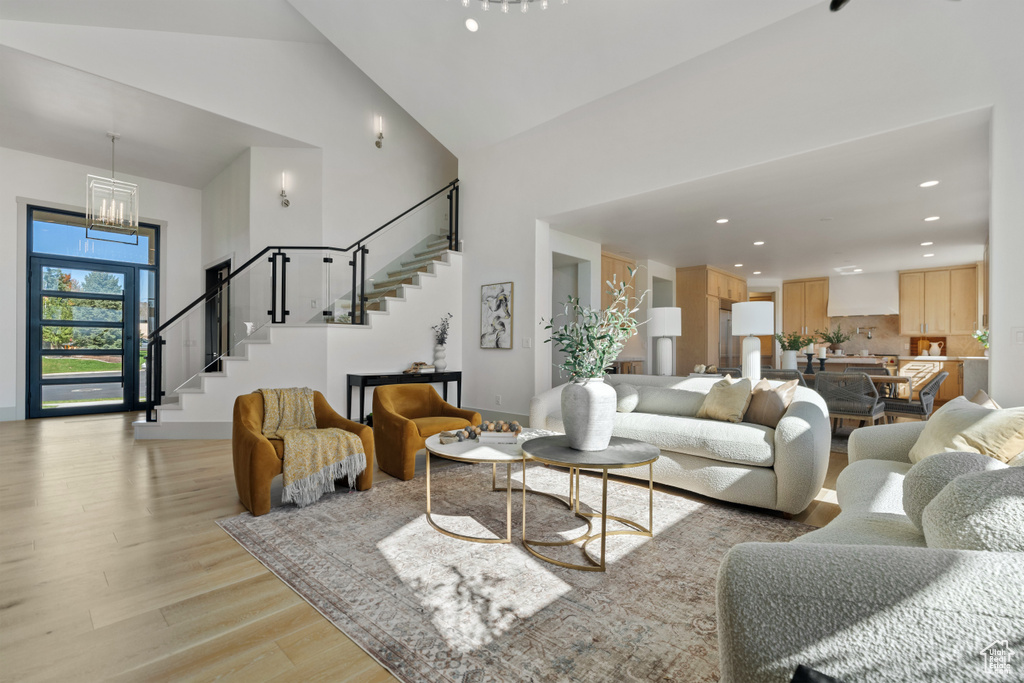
{"x": 939, "y": 301}
{"x": 702, "y": 292}
{"x": 613, "y": 266}
{"x": 804, "y": 306}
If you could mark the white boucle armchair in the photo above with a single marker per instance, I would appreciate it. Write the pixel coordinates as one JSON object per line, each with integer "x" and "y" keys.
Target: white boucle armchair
{"x": 864, "y": 598}
{"x": 778, "y": 469}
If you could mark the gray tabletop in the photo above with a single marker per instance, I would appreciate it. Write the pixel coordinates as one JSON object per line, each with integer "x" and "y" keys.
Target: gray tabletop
{"x": 621, "y": 453}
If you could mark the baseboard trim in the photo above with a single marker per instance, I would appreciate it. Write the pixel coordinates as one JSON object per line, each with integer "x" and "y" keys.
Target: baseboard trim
{"x": 145, "y": 431}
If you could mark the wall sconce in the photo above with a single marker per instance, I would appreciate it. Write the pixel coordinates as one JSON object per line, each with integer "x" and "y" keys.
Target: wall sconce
{"x": 380, "y": 132}
{"x": 285, "y": 202}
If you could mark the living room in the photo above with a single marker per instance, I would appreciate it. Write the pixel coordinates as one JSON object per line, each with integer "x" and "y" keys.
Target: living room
{"x": 749, "y": 86}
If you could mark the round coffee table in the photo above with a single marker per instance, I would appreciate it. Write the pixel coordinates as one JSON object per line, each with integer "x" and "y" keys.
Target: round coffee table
{"x": 475, "y": 452}
{"x": 621, "y": 453}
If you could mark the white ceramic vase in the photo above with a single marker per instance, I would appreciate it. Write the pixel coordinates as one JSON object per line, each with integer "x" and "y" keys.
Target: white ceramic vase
{"x": 789, "y": 360}
{"x": 588, "y": 413}
{"x": 439, "y": 362}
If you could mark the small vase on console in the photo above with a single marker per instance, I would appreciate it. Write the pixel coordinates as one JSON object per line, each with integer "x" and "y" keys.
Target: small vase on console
{"x": 439, "y": 361}
{"x": 789, "y": 360}
{"x": 588, "y": 413}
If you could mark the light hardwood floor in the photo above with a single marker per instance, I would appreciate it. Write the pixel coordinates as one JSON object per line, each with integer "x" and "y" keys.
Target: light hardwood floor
{"x": 112, "y": 568}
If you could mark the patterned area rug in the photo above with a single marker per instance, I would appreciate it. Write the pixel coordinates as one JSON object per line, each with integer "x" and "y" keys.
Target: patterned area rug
{"x": 433, "y": 608}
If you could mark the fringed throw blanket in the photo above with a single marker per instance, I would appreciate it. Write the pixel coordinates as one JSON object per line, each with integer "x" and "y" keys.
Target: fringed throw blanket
{"x": 313, "y": 458}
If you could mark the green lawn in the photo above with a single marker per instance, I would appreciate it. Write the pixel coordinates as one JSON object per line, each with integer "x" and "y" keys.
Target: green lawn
{"x": 55, "y": 365}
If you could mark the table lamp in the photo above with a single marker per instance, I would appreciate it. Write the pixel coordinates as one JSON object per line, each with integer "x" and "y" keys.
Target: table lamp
{"x": 665, "y": 323}
{"x": 751, "y": 318}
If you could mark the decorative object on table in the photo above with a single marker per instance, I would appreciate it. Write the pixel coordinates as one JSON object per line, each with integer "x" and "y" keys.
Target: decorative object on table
{"x": 809, "y": 370}
{"x": 749, "y": 319}
{"x": 834, "y": 338}
{"x": 982, "y": 337}
{"x": 791, "y": 343}
{"x": 419, "y": 368}
{"x": 496, "y": 316}
{"x": 935, "y": 349}
{"x": 665, "y": 324}
{"x": 336, "y": 555}
{"x": 440, "y": 339}
{"x": 591, "y": 340}
{"x": 499, "y": 431}
{"x": 821, "y": 363}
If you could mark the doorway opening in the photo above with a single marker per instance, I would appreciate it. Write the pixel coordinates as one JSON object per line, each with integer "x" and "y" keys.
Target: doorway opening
{"x": 218, "y": 314}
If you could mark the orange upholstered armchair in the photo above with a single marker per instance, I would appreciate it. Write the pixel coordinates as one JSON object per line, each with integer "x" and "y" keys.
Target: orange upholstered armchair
{"x": 259, "y": 459}
{"x": 404, "y": 415}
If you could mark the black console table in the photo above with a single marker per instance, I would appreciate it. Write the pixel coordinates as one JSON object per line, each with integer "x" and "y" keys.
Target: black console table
{"x": 373, "y": 379}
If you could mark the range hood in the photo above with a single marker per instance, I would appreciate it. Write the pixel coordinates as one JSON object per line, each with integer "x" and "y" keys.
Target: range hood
{"x": 864, "y": 294}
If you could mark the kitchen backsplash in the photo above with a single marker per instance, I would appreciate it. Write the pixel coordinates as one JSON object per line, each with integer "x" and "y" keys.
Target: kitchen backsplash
{"x": 886, "y": 339}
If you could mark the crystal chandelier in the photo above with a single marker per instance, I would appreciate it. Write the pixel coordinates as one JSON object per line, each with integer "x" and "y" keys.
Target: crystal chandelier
{"x": 111, "y": 206}
{"x": 506, "y": 5}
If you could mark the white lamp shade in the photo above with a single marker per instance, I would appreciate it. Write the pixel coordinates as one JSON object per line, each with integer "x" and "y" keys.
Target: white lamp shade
{"x": 666, "y": 322}
{"x": 753, "y": 317}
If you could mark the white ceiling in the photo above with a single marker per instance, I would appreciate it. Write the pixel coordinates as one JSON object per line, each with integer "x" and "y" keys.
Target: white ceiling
{"x": 161, "y": 138}
{"x": 270, "y": 19}
{"x": 869, "y": 189}
{"x": 519, "y": 70}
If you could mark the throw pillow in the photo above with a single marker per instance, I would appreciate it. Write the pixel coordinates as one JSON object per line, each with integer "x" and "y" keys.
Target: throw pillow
{"x": 626, "y": 398}
{"x": 964, "y": 426}
{"x": 978, "y": 511}
{"x": 925, "y": 479}
{"x": 668, "y": 401}
{"x": 983, "y": 399}
{"x": 768, "y": 404}
{"x": 727, "y": 400}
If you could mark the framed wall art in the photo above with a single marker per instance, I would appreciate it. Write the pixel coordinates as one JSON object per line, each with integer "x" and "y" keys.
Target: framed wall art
{"x": 496, "y": 316}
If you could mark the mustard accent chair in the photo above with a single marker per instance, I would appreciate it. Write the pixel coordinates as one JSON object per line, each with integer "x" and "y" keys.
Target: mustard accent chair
{"x": 259, "y": 459}
{"x": 404, "y": 415}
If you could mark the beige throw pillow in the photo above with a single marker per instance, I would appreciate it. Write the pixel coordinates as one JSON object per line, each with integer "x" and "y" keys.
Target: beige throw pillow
{"x": 964, "y": 426}
{"x": 984, "y": 400}
{"x": 768, "y": 404}
{"x": 727, "y": 400}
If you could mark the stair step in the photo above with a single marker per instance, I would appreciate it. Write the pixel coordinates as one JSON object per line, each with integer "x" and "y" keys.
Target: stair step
{"x": 437, "y": 239}
{"x": 394, "y": 281}
{"x": 423, "y": 260}
{"x": 432, "y": 251}
{"x": 407, "y": 270}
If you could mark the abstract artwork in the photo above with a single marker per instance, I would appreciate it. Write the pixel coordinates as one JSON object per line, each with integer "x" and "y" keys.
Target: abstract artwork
{"x": 496, "y": 316}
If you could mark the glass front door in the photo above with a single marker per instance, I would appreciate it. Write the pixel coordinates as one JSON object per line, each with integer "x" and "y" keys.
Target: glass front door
{"x": 84, "y": 338}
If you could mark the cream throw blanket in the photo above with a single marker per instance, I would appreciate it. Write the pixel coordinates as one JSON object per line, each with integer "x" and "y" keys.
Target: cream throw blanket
{"x": 313, "y": 458}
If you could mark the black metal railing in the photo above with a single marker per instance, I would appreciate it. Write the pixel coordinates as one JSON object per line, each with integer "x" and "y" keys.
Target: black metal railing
{"x": 278, "y": 258}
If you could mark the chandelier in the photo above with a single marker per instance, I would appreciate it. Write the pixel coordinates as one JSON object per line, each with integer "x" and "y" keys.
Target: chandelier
{"x": 111, "y": 206}
{"x": 506, "y": 5}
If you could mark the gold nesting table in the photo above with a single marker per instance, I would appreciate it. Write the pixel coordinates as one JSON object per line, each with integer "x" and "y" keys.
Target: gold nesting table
{"x": 554, "y": 450}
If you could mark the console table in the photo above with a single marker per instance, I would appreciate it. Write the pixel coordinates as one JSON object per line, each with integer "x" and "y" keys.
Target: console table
{"x": 373, "y": 379}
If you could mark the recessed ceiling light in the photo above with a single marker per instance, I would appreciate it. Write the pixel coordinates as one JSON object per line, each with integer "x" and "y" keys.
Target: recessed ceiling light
{"x": 472, "y": 25}
{"x": 929, "y": 183}
{"x": 757, "y": 244}
{"x": 722, "y": 220}
{"x": 739, "y": 265}
{"x": 931, "y": 218}
{"x": 858, "y": 270}
{"x": 826, "y": 219}
{"x": 757, "y": 272}
{"x": 927, "y": 244}
{"x": 929, "y": 255}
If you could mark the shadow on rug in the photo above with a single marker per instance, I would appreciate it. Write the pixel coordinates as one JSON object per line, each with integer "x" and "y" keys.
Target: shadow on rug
{"x": 433, "y": 608}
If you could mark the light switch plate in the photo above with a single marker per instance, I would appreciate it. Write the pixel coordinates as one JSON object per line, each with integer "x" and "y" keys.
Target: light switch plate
{"x": 1017, "y": 334}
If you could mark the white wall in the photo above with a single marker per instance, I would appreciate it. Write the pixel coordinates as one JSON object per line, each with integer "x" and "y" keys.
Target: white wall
{"x": 801, "y": 84}
{"x": 29, "y": 178}
{"x": 226, "y": 214}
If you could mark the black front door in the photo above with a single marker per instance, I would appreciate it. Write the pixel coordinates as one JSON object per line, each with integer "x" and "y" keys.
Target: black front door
{"x": 84, "y": 347}
{"x": 218, "y": 308}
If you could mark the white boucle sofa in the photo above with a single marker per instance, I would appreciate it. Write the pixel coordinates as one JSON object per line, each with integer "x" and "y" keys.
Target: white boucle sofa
{"x": 779, "y": 469}
{"x": 864, "y": 599}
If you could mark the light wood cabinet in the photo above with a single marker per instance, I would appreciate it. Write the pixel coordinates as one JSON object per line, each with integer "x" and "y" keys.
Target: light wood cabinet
{"x": 953, "y": 385}
{"x": 613, "y": 266}
{"x": 701, "y": 293}
{"x": 939, "y": 301}
{"x": 804, "y": 306}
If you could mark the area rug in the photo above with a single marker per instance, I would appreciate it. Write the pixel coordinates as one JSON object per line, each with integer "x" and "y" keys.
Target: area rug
{"x": 433, "y": 608}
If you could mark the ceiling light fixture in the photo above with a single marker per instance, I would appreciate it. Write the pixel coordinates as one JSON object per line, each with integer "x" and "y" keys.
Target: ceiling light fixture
{"x": 927, "y": 244}
{"x": 758, "y": 244}
{"x": 858, "y": 270}
{"x": 111, "y": 206}
{"x": 931, "y": 218}
{"x": 929, "y": 255}
{"x": 929, "y": 183}
{"x": 472, "y": 25}
{"x": 757, "y": 272}
{"x": 506, "y": 5}
{"x": 739, "y": 265}
{"x": 722, "y": 220}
